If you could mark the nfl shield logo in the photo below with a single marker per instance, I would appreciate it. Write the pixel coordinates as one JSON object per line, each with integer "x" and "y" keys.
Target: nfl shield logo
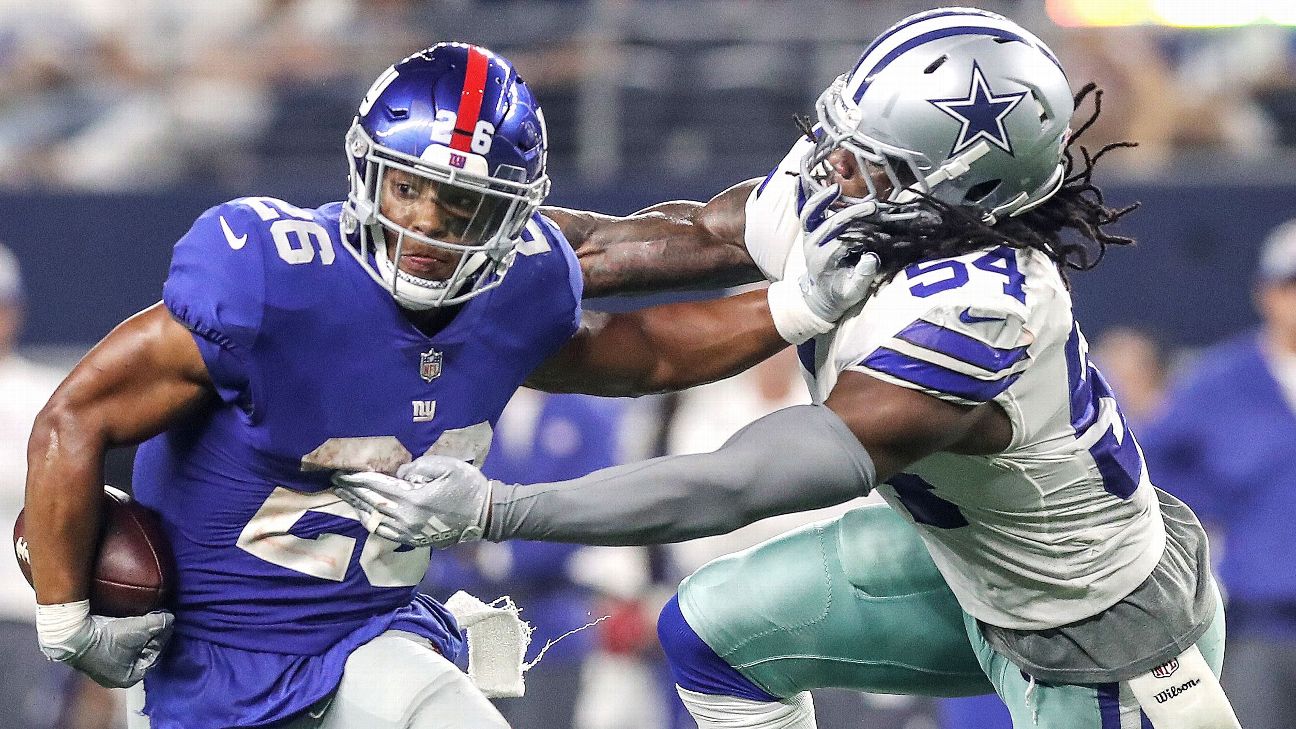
{"x": 1166, "y": 670}
{"x": 430, "y": 365}
{"x": 458, "y": 160}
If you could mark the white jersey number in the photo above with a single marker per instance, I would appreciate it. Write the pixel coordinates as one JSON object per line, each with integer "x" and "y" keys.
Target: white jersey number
{"x": 268, "y": 535}
{"x": 296, "y": 235}
{"x": 326, "y": 556}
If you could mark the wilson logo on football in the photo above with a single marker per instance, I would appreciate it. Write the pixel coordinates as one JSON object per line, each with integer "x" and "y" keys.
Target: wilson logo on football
{"x": 20, "y": 550}
{"x": 1166, "y": 670}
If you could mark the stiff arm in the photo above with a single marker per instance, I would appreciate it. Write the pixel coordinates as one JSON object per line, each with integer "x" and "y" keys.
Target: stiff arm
{"x": 677, "y": 346}
{"x": 670, "y": 246}
{"x": 673, "y": 245}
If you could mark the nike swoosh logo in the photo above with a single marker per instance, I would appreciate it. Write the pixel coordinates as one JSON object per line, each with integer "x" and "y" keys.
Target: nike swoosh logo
{"x": 235, "y": 241}
{"x": 966, "y": 317}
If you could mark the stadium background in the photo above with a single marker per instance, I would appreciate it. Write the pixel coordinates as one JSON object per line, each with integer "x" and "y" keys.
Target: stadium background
{"x": 121, "y": 121}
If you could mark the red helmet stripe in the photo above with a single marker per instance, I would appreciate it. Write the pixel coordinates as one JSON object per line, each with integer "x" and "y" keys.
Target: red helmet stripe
{"x": 470, "y": 100}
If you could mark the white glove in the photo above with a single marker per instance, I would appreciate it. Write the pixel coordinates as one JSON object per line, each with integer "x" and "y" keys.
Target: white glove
{"x": 115, "y": 652}
{"x": 838, "y": 274}
{"x": 433, "y": 500}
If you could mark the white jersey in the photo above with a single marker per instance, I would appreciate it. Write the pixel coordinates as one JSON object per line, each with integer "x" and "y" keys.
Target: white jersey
{"x": 1063, "y": 523}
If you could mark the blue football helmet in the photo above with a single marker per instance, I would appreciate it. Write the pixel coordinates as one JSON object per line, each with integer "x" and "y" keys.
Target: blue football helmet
{"x": 460, "y": 117}
{"x": 958, "y": 104}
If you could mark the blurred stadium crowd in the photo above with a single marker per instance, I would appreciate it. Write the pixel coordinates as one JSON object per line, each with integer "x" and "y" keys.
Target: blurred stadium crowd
{"x": 142, "y": 94}
{"x": 152, "y": 97}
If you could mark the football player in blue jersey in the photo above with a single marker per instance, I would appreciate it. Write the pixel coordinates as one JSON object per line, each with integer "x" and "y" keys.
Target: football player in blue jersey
{"x": 1025, "y": 550}
{"x": 293, "y": 344}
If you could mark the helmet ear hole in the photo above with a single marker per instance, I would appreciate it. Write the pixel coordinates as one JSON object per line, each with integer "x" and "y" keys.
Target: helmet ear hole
{"x": 1039, "y": 107}
{"x": 981, "y": 191}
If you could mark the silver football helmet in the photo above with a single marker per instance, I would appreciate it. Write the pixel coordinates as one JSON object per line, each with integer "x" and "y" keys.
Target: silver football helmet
{"x": 961, "y": 105}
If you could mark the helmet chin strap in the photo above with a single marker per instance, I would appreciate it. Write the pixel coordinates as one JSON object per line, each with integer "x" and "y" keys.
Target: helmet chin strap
{"x": 412, "y": 292}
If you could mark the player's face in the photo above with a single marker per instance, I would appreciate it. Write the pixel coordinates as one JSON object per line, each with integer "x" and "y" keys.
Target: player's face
{"x": 436, "y": 211}
{"x": 1277, "y": 303}
{"x": 844, "y": 169}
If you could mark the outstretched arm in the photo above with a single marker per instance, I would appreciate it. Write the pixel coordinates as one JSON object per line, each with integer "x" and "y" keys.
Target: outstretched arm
{"x": 682, "y": 345}
{"x": 796, "y": 459}
{"x": 664, "y": 348}
{"x": 673, "y": 245}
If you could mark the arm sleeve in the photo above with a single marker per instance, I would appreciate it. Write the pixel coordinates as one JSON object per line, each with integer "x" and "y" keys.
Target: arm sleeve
{"x": 773, "y": 215}
{"x": 217, "y": 291}
{"x": 796, "y": 459}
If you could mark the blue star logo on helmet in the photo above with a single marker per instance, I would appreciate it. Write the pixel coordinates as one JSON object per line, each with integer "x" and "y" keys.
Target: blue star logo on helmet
{"x": 981, "y": 113}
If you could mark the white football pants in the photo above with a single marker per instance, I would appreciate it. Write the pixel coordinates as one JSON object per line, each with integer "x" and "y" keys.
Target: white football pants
{"x": 730, "y": 712}
{"x": 395, "y": 681}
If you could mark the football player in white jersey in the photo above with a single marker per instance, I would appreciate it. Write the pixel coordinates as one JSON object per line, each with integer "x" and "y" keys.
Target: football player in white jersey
{"x": 1025, "y": 549}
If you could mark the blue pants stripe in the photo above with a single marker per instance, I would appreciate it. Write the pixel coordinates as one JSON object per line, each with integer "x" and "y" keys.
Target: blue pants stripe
{"x": 1109, "y": 705}
{"x": 695, "y": 666}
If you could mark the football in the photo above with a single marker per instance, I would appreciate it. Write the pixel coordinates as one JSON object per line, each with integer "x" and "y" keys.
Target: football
{"x": 133, "y": 571}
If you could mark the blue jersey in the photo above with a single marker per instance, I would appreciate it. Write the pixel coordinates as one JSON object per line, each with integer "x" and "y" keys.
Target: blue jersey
{"x": 316, "y": 368}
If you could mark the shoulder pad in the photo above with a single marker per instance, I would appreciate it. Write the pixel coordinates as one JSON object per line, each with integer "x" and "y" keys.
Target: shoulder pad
{"x": 963, "y": 353}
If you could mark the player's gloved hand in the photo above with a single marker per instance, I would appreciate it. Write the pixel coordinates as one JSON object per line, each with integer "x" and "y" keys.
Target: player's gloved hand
{"x": 115, "y": 652}
{"x": 838, "y": 274}
{"x": 432, "y": 501}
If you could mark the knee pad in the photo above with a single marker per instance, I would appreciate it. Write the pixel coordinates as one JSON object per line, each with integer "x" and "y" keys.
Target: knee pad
{"x": 398, "y": 680}
{"x": 695, "y": 666}
{"x": 727, "y": 712}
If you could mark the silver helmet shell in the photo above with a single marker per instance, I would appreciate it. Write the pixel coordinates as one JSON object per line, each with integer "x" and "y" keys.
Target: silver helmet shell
{"x": 959, "y": 104}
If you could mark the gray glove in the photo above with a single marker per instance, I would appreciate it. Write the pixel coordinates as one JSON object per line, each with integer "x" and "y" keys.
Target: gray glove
{"x": 433, "y": 500}
{"x": 115, "y": 652}
{"x": 838, "y": 274}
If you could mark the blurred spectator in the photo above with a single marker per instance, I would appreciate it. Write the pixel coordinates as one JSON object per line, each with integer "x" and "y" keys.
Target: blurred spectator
{"x": 623, "y": 681}
{"x": 108, "y": 96}
{"x": 541, "y": 437}
{"x": 1223, "y": 77}
{"x": 1225, "y": 445}
{"x": 150, "y": 93}
{"x": 28, "y": 682}
{"x": 1135, "y": 365}
{"x": 1130, "y": 68}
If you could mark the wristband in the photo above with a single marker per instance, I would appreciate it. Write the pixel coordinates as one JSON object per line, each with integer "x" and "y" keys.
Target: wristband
{"x": 793, "y": 318}
{"x": 56, "y": 623}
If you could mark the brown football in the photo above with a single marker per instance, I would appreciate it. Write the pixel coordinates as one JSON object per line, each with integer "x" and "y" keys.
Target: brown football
{"x": 134, "y": 572}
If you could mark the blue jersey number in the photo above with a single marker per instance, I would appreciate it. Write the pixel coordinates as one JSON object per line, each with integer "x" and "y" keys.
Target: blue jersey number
{"x": 1116, "y": 454}
{"x": 1001, "y": 261}
{"x": 920, "y": 499}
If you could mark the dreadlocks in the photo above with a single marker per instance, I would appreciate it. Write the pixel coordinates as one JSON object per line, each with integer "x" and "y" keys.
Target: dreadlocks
{"x": 1078, "y": 205}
